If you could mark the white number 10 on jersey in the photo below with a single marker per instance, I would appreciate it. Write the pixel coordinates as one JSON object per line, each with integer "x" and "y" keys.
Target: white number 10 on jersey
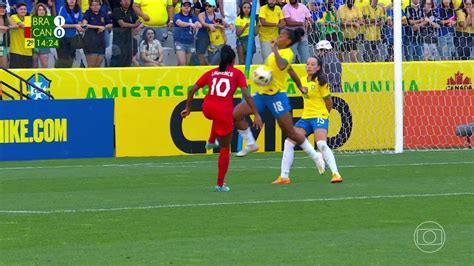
{"x": 216, "y": 88}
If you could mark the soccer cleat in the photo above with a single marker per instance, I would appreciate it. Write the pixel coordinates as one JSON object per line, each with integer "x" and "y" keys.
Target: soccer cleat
{"x": 223, "y": 188}
{"x": 248, "y": 149}
{"x": 211, "y": 146}
{"x": 336, "y": 178}
{"x": 320, "y": 163}
{"x": 281, "y": 181}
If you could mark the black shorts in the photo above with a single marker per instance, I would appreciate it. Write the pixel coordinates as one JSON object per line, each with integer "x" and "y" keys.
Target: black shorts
{"x": 21, "y": 61}
{"x": 94, "y": 43}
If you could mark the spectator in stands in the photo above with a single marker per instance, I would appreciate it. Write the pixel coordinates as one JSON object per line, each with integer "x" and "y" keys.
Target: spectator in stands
{"x": 67, "y": 45}
{"x": 14, "y": 4}
{"x": 199, "y": 7}
{"x": 20, "y": 56}
{"x": 206, "y": 19}
{"x": 464, "y": 40}
{"x": 40, "y": 55}
{"x": 447, "y": 19}
{"x": 329, "y": 25}
{"x": 157, "y": 15}
{"x": 429, "y": 32}
{"x": 331, "y": 65}
{"x": 416, "y": 20}
{"x": 242, "y": 25}
{"x": 185, "y": 26}
{"x": 374, "y": 16}
{"x": 351, "y": 20}
{"x": 387, "y": 33}
{"x": 297, "y": 16}
{"x": 124, "y": 21}
{"x": 314, "y": 31}
{"x": 271, "y": 20}
{"x": 97, "y": 22}
{"x": 151, "y": 51}
{"x": 4, "y": 27}
{"x": 217, "y": 40}
{"x": 50, "y": 5}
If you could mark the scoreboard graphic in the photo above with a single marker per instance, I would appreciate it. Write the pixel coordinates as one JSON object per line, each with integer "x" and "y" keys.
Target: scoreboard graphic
{"x": 43, "y": 31}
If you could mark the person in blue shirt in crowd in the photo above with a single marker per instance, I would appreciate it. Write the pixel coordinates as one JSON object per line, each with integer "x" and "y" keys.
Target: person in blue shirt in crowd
{"x": 97, "y": 22}
{"x": 186, "y": 25}
{"x": 71, "y": 11}
{"x": 387, "y": 34}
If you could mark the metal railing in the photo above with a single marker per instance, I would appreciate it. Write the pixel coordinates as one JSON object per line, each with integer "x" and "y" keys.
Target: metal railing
{"x": 19, "y": 91}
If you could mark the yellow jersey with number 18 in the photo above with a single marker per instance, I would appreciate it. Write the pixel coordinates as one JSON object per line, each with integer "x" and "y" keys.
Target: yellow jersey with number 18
{"x": 314, "y": 104}
{"x": 279, "y": 77}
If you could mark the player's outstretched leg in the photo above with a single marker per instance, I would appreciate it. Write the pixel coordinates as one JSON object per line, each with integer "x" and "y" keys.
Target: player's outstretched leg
{"x": 241, "y": 111}
{"x": 286, "y": 162}
{"x": 330, "y": 160}
{"x": 223, "y": 163}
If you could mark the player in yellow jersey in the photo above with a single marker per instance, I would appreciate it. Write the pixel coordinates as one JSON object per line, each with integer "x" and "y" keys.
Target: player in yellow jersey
{"x": 317, "y": 106}
{"x": 273, "y": 96}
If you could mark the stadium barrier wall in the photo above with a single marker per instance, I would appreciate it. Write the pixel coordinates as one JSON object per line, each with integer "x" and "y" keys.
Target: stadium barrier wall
{"x": 38, "y": 130}
{"x": 148, "y": 102}
{"x": 154, "y": 127}
{"x": 173, "y": 82}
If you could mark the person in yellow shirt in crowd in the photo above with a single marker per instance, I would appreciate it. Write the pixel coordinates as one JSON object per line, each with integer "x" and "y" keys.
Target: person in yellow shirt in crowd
{"x": 156, "y": 14}
{"x": 20, "y": 56}
{"x": 242, "y": 27}
{"x": 351, "y": 22}
{"x": 464, "y": 36}
{"x": 374, "y": 16}
{"x": 315, "y": 120}
{"x": 217, "y": 40}
{"x": 271, "y": 21}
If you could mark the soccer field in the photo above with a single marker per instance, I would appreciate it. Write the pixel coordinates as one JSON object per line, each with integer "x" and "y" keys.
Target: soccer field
{"x": 164, "y": 211}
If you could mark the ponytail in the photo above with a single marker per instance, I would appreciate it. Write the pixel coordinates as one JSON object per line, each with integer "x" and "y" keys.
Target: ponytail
{"x": 227, "y": 58}
{"x": 295, "y": 35}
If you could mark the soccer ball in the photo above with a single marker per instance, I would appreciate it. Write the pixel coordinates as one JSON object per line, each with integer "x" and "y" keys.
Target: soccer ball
{"x": 262, "y": 75}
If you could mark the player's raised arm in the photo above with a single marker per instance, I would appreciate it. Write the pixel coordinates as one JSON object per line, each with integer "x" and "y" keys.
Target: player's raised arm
{"x": 297, "y": 80}
{"x": 257, "y": 123}
{"x": 189, "y": 101}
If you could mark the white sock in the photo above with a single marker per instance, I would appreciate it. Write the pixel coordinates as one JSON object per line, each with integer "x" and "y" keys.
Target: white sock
{"x": 248, "y": 136}
{"x": 309, "y": 150}
{"x": 327, "y": 155}
{"x": 287, "y": 159}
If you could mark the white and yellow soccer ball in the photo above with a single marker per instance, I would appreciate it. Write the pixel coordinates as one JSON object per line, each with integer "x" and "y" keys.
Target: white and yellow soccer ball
{"x": 262, "y": 75}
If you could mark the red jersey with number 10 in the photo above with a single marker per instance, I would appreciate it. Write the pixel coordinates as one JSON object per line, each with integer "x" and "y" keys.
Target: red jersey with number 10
{"x": 222, "y": 85}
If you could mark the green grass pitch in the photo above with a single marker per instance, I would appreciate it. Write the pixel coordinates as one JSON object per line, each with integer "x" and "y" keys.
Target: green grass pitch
{"x": 161, "y": 211}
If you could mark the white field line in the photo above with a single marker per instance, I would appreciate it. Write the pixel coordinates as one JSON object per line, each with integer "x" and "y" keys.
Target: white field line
{"x": 213, "y": 204}
{"x": 189, "y": 164}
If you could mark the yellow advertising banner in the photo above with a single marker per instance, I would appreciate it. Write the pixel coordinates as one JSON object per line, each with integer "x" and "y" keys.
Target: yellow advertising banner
{"x": 174, "y": 82}
{"x": 154, "y": 127}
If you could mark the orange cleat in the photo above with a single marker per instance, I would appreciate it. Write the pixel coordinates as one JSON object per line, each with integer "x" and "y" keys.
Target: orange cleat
{"x": 336, "y": 178}
{"x": 281, "y": 181}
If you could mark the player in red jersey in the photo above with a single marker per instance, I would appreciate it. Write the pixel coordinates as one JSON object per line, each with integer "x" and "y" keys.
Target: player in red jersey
{"x": 218, "y": 106}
